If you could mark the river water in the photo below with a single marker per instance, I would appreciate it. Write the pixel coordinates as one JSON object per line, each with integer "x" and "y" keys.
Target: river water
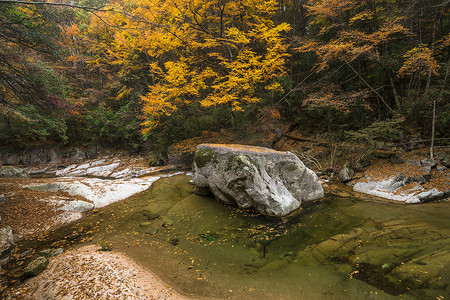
{"x": 345, "y": 246}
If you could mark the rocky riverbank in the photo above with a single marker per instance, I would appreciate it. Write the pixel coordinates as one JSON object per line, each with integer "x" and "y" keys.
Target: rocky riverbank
{"x": 31, "y": 206}
{"x": 406, "y": 177}
{"x": 390, "y": 172}
{"x": 54, "y": 197}
{"x": 35, "y": 199}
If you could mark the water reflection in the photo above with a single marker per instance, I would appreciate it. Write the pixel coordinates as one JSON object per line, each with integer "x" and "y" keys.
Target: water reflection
{"x": 339, "y": 247}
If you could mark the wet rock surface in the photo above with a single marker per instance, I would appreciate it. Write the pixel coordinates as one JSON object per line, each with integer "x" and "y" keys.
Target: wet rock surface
{"x": 381, "y": 255}
{"x": 272, "y": 182}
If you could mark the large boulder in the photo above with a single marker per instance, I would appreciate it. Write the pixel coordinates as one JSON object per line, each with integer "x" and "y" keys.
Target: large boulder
{"x": 272, "y": 182}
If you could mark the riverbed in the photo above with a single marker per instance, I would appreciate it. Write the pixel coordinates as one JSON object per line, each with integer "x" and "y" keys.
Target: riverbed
{"x": 345, "y": 246}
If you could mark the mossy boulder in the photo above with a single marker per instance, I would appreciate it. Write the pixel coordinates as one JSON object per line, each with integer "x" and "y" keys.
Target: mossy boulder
{"x": 36, "y": 266}
{"x": 272, "y": 182}
{"x": 203, "y": 157}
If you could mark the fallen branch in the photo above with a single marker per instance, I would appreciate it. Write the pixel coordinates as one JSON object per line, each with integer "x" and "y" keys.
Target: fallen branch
{"x": 295, "y": 138}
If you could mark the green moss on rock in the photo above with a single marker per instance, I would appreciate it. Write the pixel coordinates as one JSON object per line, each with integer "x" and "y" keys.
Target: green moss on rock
{"x": 203, "y": 156}
{"x": 36, "y": 266}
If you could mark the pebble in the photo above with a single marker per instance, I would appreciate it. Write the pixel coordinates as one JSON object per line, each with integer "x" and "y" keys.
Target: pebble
{"x": 153, "y": 231}
{"x": 56, "y": 252}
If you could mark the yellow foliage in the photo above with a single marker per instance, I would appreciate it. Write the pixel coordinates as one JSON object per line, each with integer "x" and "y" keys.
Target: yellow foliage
{"x": 348, "y": 44}
{"x": 419, "y": 59}
{"x": 202, "y": 53}
{"x": 333, "y": 96}
{"x": 331, "y": 8}
{"x": 124, "y": 92}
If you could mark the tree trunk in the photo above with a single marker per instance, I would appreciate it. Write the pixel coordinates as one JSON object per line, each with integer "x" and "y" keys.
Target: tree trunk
{"x": 427, "y": 87}
{"x": 394, "y": 91}
{"x": 427, "y": 90}
{"x": 433, "y": 122}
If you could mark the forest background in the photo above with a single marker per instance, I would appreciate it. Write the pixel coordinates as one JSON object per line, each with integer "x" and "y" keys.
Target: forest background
{"x": 148, "y": 73}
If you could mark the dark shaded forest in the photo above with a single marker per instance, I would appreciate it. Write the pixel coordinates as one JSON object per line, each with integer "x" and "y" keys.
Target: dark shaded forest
{"x": 148, "y": 73}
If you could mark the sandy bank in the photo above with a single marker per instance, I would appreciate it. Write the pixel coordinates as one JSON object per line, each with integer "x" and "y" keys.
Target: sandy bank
{"x": 86, "y": 273}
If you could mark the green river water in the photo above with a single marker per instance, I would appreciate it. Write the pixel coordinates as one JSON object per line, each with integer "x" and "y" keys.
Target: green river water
{"x": 344, "y": 246}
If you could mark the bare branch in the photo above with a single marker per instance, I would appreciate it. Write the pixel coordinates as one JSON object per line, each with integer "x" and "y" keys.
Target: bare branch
{"x": 57, "y": 4}
{"x": 87, "y": 8}
{"x": 370, "y": 87}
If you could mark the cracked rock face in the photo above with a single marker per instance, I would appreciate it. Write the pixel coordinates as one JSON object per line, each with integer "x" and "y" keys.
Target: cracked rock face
{"x": 6, "y": 245}
{"x": 272, "y": 182}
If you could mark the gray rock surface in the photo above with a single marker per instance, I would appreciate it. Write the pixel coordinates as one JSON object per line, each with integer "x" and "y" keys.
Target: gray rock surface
{"x": 432, "y": 195}
{"x": 346, "y": 173}
{"x": 51, "y": 252}
{"x": 38, "y": 171}
{"x": 428, "y": 164}
{"x": 9, "y": 171}
{"x": 78, "y": 206}
{"x": 6, "y": 245}
{"x": 444, "y": 159}
{"x": 272, "y": 182}
{"x": 388, "y": 189}
{"x": 49, "y": 153}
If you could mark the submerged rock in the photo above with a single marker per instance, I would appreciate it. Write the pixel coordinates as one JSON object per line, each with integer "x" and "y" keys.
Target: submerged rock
{"x": 152, "y": 231}
{"x": 272, "y": 182}
{"x": 150, "y": 216}
{"x": 430, "y": 271}
{"x": 174, "y": 241}
{"x": 395, "y": 255}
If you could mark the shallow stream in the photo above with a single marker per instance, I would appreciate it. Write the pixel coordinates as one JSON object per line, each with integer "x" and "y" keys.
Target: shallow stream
{"x": 344, "y": 246}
